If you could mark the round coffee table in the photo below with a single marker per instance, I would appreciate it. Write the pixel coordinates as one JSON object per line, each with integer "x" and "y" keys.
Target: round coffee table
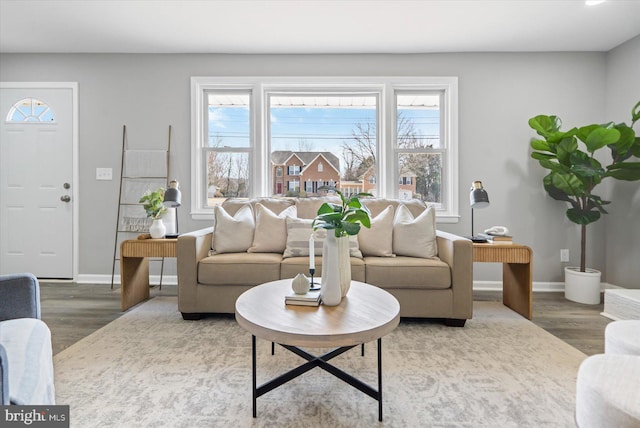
{"x": 367, "y": 313}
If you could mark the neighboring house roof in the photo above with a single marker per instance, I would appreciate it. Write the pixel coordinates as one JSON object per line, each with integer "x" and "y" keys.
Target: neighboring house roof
{"x": 281, "y": 157}
{"x": 366, "y": 173}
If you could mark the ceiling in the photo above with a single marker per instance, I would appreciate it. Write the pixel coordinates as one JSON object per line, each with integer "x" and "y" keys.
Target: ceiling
{"x": 315, "y": 26}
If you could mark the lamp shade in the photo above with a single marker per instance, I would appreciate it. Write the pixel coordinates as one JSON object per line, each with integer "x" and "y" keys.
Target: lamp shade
{"x": 172, "y": 196}
{"x": 478, "y": 198}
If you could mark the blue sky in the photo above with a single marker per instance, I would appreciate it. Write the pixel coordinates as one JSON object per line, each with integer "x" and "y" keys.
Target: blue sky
{"x": 309, "y": 129}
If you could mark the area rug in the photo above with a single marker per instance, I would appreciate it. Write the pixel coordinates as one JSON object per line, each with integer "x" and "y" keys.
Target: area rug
{"x": 149, "y": 368}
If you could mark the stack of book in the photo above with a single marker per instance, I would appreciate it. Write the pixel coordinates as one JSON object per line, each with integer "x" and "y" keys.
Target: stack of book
{"x": 311, "y": 298}
{"x": 496, "y": 239}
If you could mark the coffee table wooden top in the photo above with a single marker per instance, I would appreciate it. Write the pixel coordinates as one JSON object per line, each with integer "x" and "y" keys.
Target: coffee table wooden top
{"x": 365, "y": 314}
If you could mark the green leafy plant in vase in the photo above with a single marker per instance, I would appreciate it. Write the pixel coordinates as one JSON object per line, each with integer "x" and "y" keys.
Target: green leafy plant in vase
{"x": 343, "y": 219}
{"x": 340, "y": 221}
{"x": 153, "y": 204}
{"x": 574, "y": 170}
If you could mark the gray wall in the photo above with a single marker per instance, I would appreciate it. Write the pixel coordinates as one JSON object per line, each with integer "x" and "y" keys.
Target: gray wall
{"x": 622, "y": 240}
{"x": 498, "y": 93}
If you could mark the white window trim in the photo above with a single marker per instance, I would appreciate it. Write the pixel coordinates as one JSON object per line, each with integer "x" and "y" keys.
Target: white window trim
{"x": 262, "y": 87}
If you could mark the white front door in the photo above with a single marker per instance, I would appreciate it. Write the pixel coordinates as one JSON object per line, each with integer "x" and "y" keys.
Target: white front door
{"x": 36, "y": 180}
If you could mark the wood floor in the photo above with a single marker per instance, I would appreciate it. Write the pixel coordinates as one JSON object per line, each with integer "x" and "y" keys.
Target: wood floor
{"x": 74, "y": 311}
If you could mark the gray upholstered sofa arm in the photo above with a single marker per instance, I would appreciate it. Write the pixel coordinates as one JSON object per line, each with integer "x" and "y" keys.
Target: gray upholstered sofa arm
{"x": 19, "y": 296}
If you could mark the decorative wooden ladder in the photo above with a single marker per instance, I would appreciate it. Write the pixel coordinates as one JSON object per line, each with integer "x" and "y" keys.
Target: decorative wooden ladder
{"x": 140, "y": 170}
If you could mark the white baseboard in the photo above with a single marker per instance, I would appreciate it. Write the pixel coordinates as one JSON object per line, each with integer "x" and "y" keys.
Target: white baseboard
{"x": 106, "y": 279}
{"x": 477, "y": 285}
{"x": 557, "y": 287}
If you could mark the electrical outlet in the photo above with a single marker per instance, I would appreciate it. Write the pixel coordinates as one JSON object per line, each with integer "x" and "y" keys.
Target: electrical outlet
{"x": 104, "y": 174}
{"x": 564, "y": 255}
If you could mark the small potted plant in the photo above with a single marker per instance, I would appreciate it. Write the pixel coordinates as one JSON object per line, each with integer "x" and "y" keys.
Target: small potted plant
{"x": 153, "y": 204}
{"x": 341, "y": 221}
{"x": 574, "y": 173}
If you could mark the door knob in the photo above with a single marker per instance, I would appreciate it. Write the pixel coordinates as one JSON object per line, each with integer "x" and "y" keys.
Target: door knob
{"x": 65, "y": 198}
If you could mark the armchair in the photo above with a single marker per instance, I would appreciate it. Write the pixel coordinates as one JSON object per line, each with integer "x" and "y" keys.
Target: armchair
{"x": 26, "y": 363}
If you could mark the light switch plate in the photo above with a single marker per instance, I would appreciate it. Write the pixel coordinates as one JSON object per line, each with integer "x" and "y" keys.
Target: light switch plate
{"x": 104, "y": 174}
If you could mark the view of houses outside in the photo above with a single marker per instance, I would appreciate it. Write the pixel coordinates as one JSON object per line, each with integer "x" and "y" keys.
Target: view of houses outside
{"x": 319, "y": 142}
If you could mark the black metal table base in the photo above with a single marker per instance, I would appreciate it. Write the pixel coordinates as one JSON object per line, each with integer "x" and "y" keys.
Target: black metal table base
{"x": 317, "y": 361}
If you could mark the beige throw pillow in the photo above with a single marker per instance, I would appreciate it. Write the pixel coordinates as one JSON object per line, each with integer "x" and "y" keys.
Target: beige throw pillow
{"x": 271, "y": 230}
{"x": 378, "y": 240}
{"x": 414, "y": 237}
{"x": 232, "y": 234}
{"x": 298, "y": 233}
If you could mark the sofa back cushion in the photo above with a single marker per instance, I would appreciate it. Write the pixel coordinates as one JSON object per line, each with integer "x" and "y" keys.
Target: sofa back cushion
{"x": 276, "y": 205}
{"x": 376, "y": 205}
{"x": 308, "y": 207}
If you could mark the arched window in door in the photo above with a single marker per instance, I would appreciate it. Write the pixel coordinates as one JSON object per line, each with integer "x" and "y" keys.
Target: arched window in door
{"x": 31, "y": 110}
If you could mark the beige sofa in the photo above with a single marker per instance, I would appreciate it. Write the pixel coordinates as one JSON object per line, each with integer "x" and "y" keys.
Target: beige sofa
{"x": 436, "y": 287}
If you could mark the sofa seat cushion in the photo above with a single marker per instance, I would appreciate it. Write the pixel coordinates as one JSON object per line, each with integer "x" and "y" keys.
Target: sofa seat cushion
{"x": 294, "y": 265}
{"x": 407, "y": 272}
{"x": 27, "y": 343}
{"x": 239, "y": 268}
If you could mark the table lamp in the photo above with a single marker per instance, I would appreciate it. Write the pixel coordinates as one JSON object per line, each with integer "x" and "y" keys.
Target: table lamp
{"x": 173, "y": 199}
{"x": 478, "y": 198}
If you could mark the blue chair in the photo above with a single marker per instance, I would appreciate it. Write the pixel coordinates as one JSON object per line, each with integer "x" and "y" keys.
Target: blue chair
{"x": 26, "y": 362}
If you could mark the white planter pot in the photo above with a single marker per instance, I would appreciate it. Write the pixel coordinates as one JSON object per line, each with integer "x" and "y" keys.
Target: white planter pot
{"x": 157, "y": 229}
{"x": 582, "y": 287}
{"x": 331, "y": 291}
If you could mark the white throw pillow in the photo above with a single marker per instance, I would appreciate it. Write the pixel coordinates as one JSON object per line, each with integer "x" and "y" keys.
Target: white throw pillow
{"x": 378, "y": 240}
{"x": 232, "y": 234}
{"x": 298, "y": 233}
{"x": 271, "y": 230}
{"x": 414, "y": 237}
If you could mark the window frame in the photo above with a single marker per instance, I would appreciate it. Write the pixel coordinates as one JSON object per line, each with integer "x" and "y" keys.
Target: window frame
{"x": 387, "y": 164}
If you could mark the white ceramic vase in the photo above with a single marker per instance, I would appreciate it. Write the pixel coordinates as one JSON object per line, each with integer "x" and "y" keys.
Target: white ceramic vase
{"x": 336, "y": 269}
{"x": 582, "y": 287}
{"x": 344, "y": 264}
{"x": 157, "y": 229}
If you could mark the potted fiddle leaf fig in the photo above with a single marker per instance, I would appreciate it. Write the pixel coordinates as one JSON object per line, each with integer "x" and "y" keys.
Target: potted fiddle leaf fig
{"x": 341, "y": 221}
{"x": 574, "y": 172}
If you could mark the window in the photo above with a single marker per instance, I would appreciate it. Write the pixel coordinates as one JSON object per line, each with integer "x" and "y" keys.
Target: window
{"x": 392, "y": 137}
{"x": 227, "y": 146}
{"x": 318, "y": 129}
{"x": 407, "y": 181}
{"x": 30, "y": 110}
{"x": 294, "y": 170}
{"x": 294, "y": 186}
{"x": 419, "y": 149}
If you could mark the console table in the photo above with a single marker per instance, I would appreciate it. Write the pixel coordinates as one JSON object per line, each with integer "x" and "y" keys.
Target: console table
{"x": 516, "y": 272}
{"x": 134, "y": 267}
